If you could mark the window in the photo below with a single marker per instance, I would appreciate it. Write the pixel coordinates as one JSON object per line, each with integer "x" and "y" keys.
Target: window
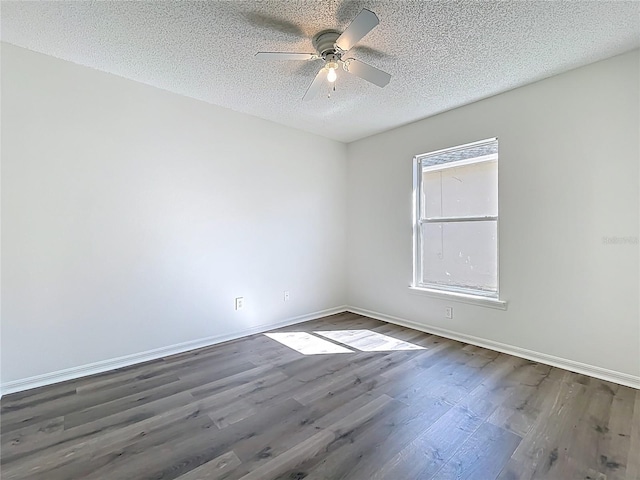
{"x": 456, "y": 220}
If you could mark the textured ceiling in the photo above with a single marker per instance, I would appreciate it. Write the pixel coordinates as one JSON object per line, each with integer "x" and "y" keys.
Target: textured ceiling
{"x": 441, "y": 54}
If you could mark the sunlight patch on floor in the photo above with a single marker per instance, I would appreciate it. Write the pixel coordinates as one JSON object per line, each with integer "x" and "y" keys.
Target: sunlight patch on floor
{"x": 363, "y": 340}
{"x": 368, "y": 341}
{"x": 306, "y": 343}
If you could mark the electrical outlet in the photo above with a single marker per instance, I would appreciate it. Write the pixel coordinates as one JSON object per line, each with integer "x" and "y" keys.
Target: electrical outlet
{"x": 239, "y": 303}
{"x": 286, "y": 295}
{"x": 448, "y": 312}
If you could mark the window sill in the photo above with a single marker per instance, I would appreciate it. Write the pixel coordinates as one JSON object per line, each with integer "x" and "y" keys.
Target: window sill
{"x": 461, "y": 297}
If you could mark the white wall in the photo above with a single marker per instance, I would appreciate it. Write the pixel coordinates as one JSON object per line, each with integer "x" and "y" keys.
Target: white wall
{"x": 569, "y": 176}
{"x": 132, "y": 217}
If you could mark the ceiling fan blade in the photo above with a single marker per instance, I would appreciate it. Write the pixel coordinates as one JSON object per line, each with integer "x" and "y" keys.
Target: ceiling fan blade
{"x": 364, "y": 22}
{"x": 286, "y": 56}
{"x": 368, "y": 73}
{"x": 316, "y": 85}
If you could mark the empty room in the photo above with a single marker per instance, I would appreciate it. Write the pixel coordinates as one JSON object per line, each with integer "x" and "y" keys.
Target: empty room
{"x": 320, "y": 239}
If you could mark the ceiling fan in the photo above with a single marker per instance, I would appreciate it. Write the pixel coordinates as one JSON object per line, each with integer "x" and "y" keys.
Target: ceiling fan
{"x": 333, "y": 47}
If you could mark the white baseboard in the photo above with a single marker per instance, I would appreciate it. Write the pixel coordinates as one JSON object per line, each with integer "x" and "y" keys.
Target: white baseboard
{"x": 127, "y": 360}
{"x": 578, "y": 367}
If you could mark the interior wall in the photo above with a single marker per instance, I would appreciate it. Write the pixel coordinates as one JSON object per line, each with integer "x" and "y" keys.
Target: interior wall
{"x": 569, "y": 215}
{"x": 132, "y": 217}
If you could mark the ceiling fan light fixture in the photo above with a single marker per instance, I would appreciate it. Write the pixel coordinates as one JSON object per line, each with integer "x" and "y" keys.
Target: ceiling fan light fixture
{"x": 331, "y": 75}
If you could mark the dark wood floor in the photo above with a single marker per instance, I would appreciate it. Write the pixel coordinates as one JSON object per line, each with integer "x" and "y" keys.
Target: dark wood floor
{"x": 255, "y": 409}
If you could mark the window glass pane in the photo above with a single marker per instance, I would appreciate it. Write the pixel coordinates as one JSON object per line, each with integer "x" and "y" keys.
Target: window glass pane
{"x": 468, "y": 190}
{"x": 432, "y": 194}
{"x": 461, "y": 254}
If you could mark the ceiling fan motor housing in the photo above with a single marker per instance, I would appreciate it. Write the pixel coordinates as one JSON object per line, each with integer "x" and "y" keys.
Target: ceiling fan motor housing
{"x": 324, "y": 43}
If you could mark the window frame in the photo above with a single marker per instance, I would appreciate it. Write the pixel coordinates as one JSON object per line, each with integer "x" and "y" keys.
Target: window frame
{"x": 467, "y": 295}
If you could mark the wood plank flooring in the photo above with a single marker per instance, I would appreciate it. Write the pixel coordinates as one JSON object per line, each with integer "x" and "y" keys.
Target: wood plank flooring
{"x": 256, "y": 409}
